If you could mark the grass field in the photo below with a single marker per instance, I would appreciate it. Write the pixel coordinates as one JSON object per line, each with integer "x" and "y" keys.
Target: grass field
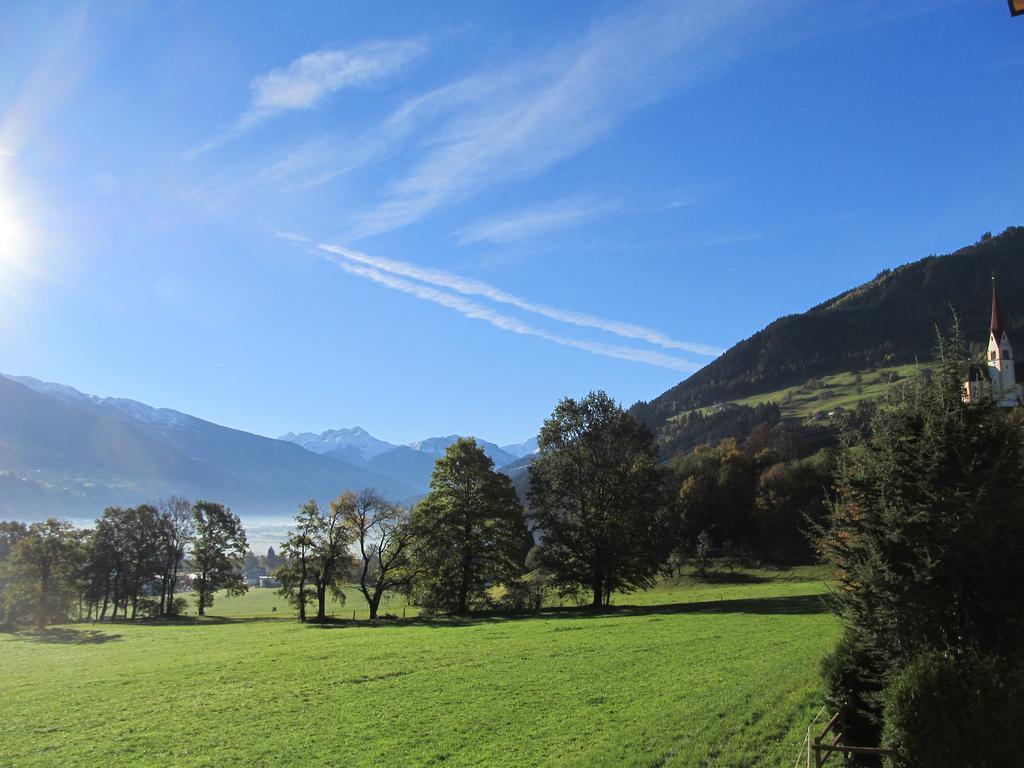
{"x": 688, "y": 674}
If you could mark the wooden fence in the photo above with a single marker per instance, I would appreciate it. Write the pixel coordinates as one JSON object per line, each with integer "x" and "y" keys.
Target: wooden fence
{"x": 832, "y": 740}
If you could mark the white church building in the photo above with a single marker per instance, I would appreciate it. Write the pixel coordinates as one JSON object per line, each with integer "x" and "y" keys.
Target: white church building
{"x": 999, "y": 381}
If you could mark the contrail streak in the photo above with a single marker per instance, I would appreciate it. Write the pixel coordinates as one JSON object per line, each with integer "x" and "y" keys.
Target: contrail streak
{"x": 477, "y": 311}
{"x": 471, "y": 287}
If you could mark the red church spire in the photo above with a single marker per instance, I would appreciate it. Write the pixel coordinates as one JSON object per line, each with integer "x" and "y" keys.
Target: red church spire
{"x": 997, "y": 318}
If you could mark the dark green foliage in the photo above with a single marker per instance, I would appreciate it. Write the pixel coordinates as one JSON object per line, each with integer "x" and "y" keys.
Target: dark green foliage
{"x": 854, "y": 680}
{"x": 138, "y": 538}
{"x": 42, "y": 573}
{"x": 717, "y": 487}
{"x": 177, "y": 530}
{"x": 926, "y": 538}
{"x": 136, "y": 551}
{"x": 889, "y": 320}
{"x": 956, "y": 709}
{"x": 10, "y": 534}
{"x": 218, "y": 552}
{"x": 273, "y": 560}
{"x": 598, "y": 498}
{"x": 791, "y": 499}
{"x": 468, "y": 532}
{"x": 749, "y": 497}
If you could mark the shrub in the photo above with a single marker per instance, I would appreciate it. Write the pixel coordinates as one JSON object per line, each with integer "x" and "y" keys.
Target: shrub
{"x": 179, "y": 607}
{"x": 958, "y": 709}
{"x": 854, "y": 688}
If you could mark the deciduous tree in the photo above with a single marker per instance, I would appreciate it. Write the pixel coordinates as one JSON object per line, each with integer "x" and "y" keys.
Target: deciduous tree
{"x": 469, "y": 531}
{"x": 10, "y": 534}
{"x": 382, "y": 534}
{"x": 597, "y": 498}
{"x": 217, "y": 553}
{"x": 43, "y": 570}
{"x": 294, "y": 571}
{"x": 177, "y": 531}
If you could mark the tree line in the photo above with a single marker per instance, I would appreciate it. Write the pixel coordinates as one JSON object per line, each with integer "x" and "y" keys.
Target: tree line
{"x": 129, "y": 564}
{"x": 602, "y": 515}
{"x": 601, "y": 519}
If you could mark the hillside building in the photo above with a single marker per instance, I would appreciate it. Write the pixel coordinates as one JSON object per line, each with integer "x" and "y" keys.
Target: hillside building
{"x": 997, "y": 379}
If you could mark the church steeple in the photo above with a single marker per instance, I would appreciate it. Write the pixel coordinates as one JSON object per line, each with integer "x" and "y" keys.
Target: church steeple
{"x": 1002, "y": 386}
{"x": 997, "y": 317}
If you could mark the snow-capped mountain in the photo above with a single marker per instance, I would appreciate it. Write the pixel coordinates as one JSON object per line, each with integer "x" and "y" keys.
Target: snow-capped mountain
{"x": 436, "y": 446}
{"x": 130, "y": 408}
{"x": 411, "y": 464}
{"x": 354, "y": 443}
{"x": 524, "y": 448}
{"x": 66, "y": 453}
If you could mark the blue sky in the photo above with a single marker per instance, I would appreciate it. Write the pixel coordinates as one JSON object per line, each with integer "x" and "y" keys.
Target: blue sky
{"x": 437, "y": 218}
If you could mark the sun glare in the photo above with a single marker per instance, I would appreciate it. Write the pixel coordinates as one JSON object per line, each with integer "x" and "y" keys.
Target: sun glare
{"x": 15, "y": 231}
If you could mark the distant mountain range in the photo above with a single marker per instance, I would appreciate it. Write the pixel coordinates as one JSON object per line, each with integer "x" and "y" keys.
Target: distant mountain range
{"x": 70, "y": 454}
{"x": 411, "y": 464}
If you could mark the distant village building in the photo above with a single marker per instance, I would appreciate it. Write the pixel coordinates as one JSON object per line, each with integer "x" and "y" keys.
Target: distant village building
{"x": 997, "y": 379}
{"x": 268, "y": 581}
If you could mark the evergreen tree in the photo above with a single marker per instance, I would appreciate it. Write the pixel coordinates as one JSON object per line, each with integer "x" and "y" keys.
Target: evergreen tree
{"x": 468, "y": 532}
{"x": 273, "y": 560}
{"x": 597, "y": 497}
{"x": 926, "y": 538}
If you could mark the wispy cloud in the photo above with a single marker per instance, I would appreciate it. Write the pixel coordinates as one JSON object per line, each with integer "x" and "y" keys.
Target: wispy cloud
{"x": 514, "y": 226}
{"x": 306, "y": 82}
{"x": 476, "y": 311}
{"x": 520, "y": 120}
{"x": 471, "y": 287}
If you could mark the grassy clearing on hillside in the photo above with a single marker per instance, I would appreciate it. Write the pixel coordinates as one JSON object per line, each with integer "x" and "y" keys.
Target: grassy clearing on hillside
{"x": 841, "y": 390}
{"x": 688, "y": 674}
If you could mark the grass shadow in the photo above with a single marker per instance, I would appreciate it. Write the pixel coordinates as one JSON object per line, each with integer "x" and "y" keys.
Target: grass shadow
{"x": 791, "y": 605}
{"x": 202, "y": 621}
{"x": 724, "y": 577}
{"x": 66, "y": 636}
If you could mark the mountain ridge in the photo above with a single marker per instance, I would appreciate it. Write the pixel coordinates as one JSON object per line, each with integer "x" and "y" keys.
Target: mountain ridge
{"x": 62, "y": 451}
{"x": 889, "y": 320}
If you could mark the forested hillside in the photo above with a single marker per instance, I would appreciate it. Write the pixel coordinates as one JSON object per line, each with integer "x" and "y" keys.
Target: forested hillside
{"x": 887, "y": 321}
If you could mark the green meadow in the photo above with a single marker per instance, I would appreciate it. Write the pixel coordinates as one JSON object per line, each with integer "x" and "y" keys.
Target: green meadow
{"x": 688, "y": 674}
{"x": 839, "y": 390}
